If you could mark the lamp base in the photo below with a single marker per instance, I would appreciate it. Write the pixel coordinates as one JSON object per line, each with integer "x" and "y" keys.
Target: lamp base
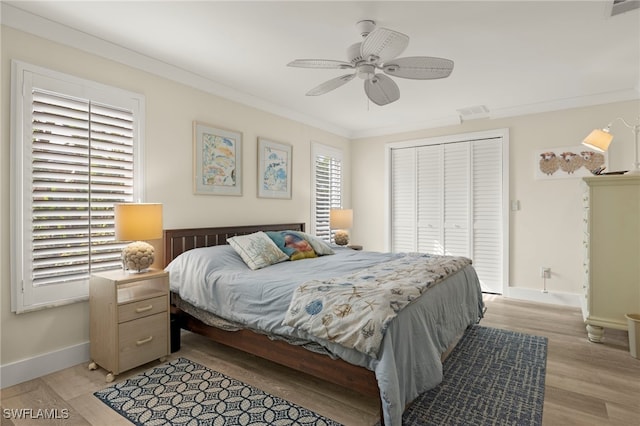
{"x": 137, "y": 257}
{"x": 341, "y": 238}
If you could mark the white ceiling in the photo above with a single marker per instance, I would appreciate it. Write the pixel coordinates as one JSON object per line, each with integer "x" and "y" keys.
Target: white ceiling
{"x": 513, "y": 57}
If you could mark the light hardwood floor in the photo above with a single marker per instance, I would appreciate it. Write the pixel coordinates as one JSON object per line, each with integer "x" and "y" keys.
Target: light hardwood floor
{"x": 586, "y": 383}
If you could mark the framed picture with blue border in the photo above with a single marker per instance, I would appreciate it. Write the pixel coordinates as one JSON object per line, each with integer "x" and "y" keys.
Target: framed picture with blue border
{"x": 274, "y": 169}
{"x": 217, "y": 157}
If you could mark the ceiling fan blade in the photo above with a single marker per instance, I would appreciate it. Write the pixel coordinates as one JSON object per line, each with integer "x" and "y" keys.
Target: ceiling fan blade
{"x": 319, "y": 63}
{"x": 329, "y": 85}
{"x": 381, "y": 90}
{"x": 383, "y": 44}
{"x": 419, "y": 67}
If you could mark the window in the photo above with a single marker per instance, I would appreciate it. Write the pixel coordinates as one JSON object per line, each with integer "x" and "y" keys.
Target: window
{"x": 326, "y": 182}
{"x": 76, "y": 151}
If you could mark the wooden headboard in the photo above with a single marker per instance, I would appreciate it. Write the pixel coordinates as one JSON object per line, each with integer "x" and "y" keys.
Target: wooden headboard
{"x": 177, "y": 241}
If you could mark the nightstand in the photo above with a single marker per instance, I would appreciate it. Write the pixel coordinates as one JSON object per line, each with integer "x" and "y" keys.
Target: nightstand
{"x": 129, "y": 319}
{"x": 354, "y": 247}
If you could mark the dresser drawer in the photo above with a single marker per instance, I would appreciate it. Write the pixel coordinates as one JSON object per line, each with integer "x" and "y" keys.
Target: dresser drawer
{"x": 142, "y": 340}
{"x": 143, "y": 308}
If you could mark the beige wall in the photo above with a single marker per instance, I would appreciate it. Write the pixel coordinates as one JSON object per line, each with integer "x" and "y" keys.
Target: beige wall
{"x": 547, "y": 230}
{"x": 170, "y": 111}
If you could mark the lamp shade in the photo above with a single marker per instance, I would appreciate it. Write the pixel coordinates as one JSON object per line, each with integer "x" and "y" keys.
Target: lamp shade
{"x": 598, "y": 139}
{"x": 138, "y": 221}
{"x": 341, "y": 218}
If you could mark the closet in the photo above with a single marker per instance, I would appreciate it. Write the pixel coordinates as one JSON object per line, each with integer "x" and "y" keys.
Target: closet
{"x": 447, "y": 196}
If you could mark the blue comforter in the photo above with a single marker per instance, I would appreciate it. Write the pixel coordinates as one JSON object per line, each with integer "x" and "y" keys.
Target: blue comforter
{"x": 216, "y": 279}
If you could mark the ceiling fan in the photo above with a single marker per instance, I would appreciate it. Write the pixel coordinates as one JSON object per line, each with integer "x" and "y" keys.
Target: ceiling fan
{"x": 377, "y": 51}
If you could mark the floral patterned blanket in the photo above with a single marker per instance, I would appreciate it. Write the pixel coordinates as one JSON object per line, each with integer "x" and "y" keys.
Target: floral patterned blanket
{"x": 354, "y": 310}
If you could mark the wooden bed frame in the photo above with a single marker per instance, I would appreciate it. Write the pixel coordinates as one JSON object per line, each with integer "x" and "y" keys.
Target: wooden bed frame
{"x": 359, "y": 379}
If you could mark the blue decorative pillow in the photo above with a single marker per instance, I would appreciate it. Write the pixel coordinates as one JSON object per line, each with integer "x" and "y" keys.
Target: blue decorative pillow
{"x": 278, "y": 238}
{"x": 293, "y": 244}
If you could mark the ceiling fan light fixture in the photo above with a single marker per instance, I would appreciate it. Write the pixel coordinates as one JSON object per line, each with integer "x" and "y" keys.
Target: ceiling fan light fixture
{"x": 366, "y": 71}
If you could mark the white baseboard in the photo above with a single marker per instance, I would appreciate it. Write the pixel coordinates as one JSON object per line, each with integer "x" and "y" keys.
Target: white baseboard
{"x": 32, "y": 368}
{"x": 554, "y": 298}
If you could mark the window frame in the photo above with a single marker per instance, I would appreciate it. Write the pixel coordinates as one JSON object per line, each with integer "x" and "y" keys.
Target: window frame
{"x": 25, "y": 296}
{"x": 319, "y": 149}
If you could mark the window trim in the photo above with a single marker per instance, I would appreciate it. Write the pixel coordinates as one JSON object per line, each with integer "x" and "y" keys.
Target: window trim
{"x": 318, "y": 148}
{"x": 24, "y": 296}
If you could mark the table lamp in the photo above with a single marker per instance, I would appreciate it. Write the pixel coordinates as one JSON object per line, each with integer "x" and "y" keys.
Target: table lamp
{"x": 599, "y": 139}
{"x": 341, "y": 220}
{"x": 137, "y": 222}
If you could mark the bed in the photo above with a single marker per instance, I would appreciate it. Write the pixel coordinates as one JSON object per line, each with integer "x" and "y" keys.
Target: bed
{"x": 408, "y": 360}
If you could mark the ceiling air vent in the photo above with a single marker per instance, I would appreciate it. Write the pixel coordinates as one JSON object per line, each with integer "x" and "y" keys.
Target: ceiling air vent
{"x": 622, "y": 6}
{"x": 474, "y": 112}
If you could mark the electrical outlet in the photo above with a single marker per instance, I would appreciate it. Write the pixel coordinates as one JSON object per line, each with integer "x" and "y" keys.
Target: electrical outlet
{"x": 545, "y": 272}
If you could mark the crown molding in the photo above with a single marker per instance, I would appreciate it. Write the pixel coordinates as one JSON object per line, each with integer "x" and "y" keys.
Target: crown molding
{"x": 19, "y": 19}
{"x": 568, "y": 103}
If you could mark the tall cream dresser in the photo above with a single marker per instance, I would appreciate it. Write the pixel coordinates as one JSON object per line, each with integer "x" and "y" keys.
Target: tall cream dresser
{"x": 612, "y": 252}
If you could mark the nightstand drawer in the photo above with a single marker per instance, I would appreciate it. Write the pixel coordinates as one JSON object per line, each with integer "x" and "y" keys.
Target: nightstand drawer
{"x": 143, "y": 308}
{"x": 142, "y": 340}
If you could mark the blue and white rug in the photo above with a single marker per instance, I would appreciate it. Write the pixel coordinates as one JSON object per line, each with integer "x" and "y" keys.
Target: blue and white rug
{"x": 492, "y": 377}
{"x": 183, "y": 392}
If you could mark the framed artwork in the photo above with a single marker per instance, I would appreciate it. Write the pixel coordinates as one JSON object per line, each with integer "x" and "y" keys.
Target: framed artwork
{"x": 274, "y": 169}
{"x": 568, "y": 162}
{"x": 217, "y": 157}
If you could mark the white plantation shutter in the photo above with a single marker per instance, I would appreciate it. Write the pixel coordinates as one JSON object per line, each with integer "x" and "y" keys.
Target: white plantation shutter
{"x": 326, "y": 187}
{"x": 75, "y": 157}
{"x": 448, "y": 198}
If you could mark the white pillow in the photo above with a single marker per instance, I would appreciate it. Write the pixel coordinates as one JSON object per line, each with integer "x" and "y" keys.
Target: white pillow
{"x": 257, "y": 250}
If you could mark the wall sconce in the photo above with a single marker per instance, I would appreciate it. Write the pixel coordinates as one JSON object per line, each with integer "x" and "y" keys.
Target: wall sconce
{"x": 599, "y": 139}
{"x": 135, "y": 222}
{"x": 341, "y": 220}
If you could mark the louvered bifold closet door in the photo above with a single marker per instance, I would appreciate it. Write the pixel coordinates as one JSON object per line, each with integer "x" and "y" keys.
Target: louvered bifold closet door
{"x": 457, "y": 199}
{"x": 487, "y": 213}
{"x": 82, "y": 162}
{"x": 430, "y": 179}
{"x": 403, "y": 200}
{"x": 447, "y": 198}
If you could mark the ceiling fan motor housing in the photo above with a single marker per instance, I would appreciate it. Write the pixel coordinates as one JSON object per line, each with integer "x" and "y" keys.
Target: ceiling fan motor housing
{"x": 353, "y": 53}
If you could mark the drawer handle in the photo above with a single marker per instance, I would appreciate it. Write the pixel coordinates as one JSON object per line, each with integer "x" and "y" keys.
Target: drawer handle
{"x": 144, "y": 309}
{"x": 143, "y": 341}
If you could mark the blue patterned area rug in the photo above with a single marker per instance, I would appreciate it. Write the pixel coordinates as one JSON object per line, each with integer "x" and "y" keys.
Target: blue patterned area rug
{"x": 183, "y": 392}
{"x": 492, "y": 377}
